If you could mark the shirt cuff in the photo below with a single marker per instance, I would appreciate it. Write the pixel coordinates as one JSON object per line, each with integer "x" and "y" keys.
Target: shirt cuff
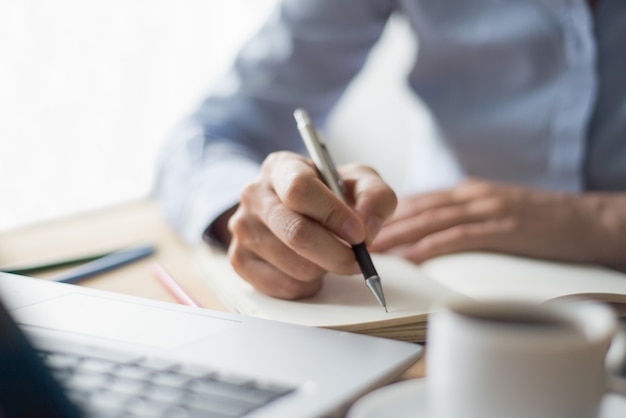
{"x": 210, "y": 192}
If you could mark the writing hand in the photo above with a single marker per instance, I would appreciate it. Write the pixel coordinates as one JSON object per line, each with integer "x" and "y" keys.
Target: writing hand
{"x": 289, "y": 228}
{"x": 487, "y": 216}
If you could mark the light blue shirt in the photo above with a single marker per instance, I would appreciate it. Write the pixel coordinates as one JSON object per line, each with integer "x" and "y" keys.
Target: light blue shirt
{"x": 525, "y": 91}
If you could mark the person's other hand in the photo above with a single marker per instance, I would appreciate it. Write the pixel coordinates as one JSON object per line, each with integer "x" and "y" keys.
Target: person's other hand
{"x": 289, "y": 228}
{"x": 486, "y": 216}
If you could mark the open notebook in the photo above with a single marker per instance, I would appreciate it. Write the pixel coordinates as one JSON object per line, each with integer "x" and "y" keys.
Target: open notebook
{"x": 345, "y": 302}
{"x": 68, "y": 351}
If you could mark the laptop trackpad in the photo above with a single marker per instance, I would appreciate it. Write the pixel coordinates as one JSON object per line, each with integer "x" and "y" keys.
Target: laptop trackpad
{"x": 122, "y": 321}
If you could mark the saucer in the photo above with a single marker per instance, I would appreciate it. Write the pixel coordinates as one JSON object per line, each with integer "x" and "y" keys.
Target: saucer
{"x": 408, "y": 399}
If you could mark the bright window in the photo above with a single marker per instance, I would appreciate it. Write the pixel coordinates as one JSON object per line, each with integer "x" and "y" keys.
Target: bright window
{"x": 89, "y": 90}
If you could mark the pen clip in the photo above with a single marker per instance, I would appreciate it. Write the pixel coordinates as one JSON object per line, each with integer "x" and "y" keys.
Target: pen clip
{"x": 332, "y": 171}
{"x": 319, "y": 153}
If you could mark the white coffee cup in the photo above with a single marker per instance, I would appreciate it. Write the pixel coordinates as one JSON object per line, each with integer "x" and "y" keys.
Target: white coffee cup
{"x": 518, "y": 360}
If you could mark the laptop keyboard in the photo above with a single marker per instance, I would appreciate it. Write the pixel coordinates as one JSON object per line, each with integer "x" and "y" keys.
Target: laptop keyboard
{"x": 150, "y": 387}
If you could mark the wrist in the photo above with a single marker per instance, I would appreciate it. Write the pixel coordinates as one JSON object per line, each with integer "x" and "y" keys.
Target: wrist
{"x": 607, "y": 216}
{"x": 217, "y": 233}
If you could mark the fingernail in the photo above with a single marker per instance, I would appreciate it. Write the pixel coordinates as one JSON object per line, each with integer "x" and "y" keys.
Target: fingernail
{"x": 353, "y": 231}
{"x": 373, "y": 225}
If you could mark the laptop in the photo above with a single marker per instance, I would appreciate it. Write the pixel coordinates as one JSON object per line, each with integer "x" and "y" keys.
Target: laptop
{"x": 72, "y": 351}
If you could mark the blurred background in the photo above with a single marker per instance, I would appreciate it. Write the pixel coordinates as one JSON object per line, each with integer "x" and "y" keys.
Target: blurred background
{"x": 90, "y": 90}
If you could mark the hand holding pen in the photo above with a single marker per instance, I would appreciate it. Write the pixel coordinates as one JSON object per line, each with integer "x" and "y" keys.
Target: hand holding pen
{"x": 290, "y": 228}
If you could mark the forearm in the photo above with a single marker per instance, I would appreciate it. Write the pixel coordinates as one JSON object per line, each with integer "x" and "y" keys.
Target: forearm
{"x": 196, "y": 185}
{"x": 606, "y": 216}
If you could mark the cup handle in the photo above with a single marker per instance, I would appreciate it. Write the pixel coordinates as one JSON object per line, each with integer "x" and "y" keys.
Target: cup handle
{"x": 616, "y": 355}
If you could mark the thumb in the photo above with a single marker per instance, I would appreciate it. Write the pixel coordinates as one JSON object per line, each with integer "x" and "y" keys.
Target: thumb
{"x": 372, "y": 198}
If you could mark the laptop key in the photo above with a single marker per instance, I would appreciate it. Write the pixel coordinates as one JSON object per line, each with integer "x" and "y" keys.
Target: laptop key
{"x": 191, "y": 412}
{"x": 146, "y": 408}
{"x": 96, "y": 365}
{"x": 170, "y": 379}
{"x": 85, "y": 381}
{"x": 193, "y": 370}
{"x": 127, "y": 386}
{"x": 158, "y": 363}
{"x": 79, "y": 396}
{"x": 134, "y": 371}
{"x": 233, "y": 379}
{"x": 61, "y": 375}
{"x": 165, "y": 393}
{"x": 60, "y": 361}
{"x": 110, "y": 400}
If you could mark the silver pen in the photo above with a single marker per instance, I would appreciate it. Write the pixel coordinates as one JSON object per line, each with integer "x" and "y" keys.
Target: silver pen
{"x": 326, "y": 168}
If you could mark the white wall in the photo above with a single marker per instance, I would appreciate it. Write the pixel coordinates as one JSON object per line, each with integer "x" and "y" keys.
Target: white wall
{"x": 89, "y": 90}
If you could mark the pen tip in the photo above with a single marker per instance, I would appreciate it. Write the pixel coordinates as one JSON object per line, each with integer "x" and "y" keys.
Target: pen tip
{"x": 373, "y": 282}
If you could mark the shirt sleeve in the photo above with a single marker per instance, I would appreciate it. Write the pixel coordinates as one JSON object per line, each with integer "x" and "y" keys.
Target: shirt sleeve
{"x": 304, "y": 56}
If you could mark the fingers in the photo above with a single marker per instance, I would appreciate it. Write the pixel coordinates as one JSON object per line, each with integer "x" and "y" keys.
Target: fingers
{"x": 373, "y": 200}
{"x": 413, "y": 205}
{"x": 306, "y": 238}
{"x": 289, "y": 227}
{"x": 409, "y": 230}
{"x": 268, "y": 264}
{"x": 474, "y": 216}
{"x": 267, "y": 226}
{"x": 267, "y": 278}
{"x": 299, "y": 188}
{"x": 466, "y": 191}
{"x": 483, "y": 236}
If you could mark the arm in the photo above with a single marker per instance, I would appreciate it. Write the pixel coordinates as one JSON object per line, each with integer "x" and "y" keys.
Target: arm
{"x": 305, "y": 55}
